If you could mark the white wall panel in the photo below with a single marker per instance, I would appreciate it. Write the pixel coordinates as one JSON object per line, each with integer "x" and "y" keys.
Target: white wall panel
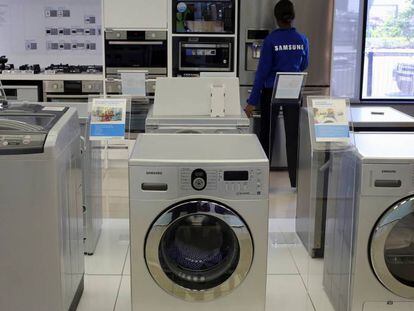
{"x": 24, "y": 23}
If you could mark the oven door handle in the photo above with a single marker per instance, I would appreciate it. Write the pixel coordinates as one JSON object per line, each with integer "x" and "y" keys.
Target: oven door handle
{"x": 135, "y": 42}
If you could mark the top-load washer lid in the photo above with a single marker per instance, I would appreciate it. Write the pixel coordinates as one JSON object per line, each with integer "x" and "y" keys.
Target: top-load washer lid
{"x": 24, "y": 127}
{"x": 381, "y": 119}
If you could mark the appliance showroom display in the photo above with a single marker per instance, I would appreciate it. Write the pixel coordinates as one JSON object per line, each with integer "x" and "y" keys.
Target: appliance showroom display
{"x": 92, "y": 171}
{"x": 370, "y": 240}
{"x": 257, "y": 25}
{"x": 198, "y": 100}
{"x": 314, "y": 165}
{"x": 199, "y": 222}
{"x": 40, "y": 208}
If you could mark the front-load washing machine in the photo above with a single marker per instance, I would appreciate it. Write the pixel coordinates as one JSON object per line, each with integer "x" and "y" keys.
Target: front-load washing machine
{"x": 199, "y": 222}
{"x": 41, "y": 256}
{"x": 377, "y": 227}
{"x": 198, "y": 106}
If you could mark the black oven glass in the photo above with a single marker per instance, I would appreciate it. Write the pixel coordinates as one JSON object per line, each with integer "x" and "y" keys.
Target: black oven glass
{"x": 130, "y": 54}
{"x": 205, "y": 57}
{"x": 204, "y": 16}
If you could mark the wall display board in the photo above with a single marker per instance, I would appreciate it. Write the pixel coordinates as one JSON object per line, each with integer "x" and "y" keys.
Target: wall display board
{"x": 51, "y": 31}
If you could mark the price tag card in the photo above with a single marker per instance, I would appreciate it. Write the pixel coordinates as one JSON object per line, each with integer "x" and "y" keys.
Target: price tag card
{"x": 108, "y": 119}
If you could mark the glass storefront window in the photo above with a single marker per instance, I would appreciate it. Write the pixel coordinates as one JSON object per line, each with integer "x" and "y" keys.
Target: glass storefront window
{"x": 388, "y": 71}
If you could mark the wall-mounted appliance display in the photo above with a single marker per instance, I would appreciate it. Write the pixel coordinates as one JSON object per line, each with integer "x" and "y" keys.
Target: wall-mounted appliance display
{"x": 144, "y": 50}
{"x": 202, "y": 54}
{"x": 44, "y": 31}
{"x": 208, "y": 16}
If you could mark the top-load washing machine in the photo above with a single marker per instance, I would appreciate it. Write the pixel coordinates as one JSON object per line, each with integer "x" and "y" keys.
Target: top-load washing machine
{"x": 199, "y": 105}
{"x": 313, "y": 169}
{"x": 41, "y": 256}
{"x": 199, "y": 222}
{"x": 374, "y": 263}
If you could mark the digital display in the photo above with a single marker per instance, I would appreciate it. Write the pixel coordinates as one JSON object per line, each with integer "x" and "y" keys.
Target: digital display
{"x": 236, "y": 176}
{"x": 206, "y": 16}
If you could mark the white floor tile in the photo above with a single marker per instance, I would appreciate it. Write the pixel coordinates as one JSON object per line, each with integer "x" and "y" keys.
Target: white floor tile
{"x": 127, "y": 267}
{"x": 110, "y": 254}
{"x": 100, "y": 293}
{"x": 123, "y": 302}
{"x": 286, "y": 293}
{"x": 280, "y": 260}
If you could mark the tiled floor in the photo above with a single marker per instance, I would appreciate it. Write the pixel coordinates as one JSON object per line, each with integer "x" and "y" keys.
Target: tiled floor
{"x": 294, "y": 280}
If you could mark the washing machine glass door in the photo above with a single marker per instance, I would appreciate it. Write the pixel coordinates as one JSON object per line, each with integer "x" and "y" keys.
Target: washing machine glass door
{"x": 199, "y": 250}
{"x": 392, "y": 249}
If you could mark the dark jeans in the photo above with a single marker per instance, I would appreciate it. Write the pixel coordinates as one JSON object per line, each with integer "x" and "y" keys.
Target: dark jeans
{"x": 268, "y": 130}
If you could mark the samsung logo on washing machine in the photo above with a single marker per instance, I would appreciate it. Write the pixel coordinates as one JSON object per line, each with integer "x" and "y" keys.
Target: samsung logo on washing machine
{"x": 154, "y": 173}
{"x": 389, "y": 172}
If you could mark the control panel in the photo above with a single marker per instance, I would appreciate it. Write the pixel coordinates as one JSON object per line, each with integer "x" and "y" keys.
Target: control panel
{"x": 21, "y": 144}
{"x": 226, "y": 182}
{"x": 387, "y": 179}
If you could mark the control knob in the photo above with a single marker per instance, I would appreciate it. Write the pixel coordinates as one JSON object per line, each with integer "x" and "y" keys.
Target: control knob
{"x": 199, "y": 179}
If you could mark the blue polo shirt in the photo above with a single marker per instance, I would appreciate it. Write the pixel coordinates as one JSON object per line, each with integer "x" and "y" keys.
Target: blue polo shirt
{"x": 284, "y": 50}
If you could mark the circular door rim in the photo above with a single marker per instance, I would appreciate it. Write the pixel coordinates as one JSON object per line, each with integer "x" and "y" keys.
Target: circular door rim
{"x": 154, "y": 238}
{"x": 379, "y": 238}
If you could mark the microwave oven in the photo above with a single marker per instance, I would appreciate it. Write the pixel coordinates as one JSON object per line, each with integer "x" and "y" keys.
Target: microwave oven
{"x": 202, "y": 54}
{"x": 204, "y": 17}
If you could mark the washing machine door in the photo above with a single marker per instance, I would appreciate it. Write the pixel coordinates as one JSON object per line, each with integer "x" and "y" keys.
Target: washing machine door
{"x": 199, "y": 250}
{"x": 392, "y": 249}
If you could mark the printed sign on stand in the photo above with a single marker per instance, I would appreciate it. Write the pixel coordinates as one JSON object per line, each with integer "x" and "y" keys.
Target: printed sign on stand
{"x": 108, "y": 119}
{"x": 330, "y": 118}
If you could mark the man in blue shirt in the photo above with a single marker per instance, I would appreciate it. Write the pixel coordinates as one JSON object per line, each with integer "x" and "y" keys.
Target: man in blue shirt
{"x": 284, "y": 50}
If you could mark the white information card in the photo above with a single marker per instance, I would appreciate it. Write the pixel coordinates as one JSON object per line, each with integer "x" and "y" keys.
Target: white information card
{"x": 289, "y": 86}
{"x": 108, "y": 119}
{"x": 330, "y": 117}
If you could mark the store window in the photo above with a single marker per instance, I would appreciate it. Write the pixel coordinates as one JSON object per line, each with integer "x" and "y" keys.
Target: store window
{"x": 389, "y": 50}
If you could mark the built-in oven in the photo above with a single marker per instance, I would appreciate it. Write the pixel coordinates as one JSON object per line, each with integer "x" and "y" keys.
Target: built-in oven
{"x": 203, "y": 54}
{"x": 21, "y": 90}
{"x": 129, "y": 50}
{"x": 206, "y": 16}
{"x": 71, "y": 91}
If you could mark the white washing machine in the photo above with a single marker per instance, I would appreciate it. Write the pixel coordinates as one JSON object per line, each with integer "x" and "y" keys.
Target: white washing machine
{"x": 198, "y": 106}
{"x": 199, "y": 222}
{"x": 377, "y": 253}
{"x": 41, "y": 257}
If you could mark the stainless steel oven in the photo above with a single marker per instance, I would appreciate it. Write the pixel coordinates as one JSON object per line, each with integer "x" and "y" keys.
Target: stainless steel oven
{"x": 22, "y": 90}
{"x": 144, "y": 50}
{"x": 203, "y": 54}
{"x": 71, "y": 91}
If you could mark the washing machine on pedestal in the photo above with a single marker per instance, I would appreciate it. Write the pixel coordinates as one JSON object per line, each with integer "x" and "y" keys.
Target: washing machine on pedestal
{"x": 375, "y": 262}
{"x": 199, "y": 222}
{"x": 41, "y": 257}
{"x": 199, "y": 105}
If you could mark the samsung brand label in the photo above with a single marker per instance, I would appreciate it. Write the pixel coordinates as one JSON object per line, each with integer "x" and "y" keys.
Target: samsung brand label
{"x": 289, "y": 47}
{"x": 154, "y": 173}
